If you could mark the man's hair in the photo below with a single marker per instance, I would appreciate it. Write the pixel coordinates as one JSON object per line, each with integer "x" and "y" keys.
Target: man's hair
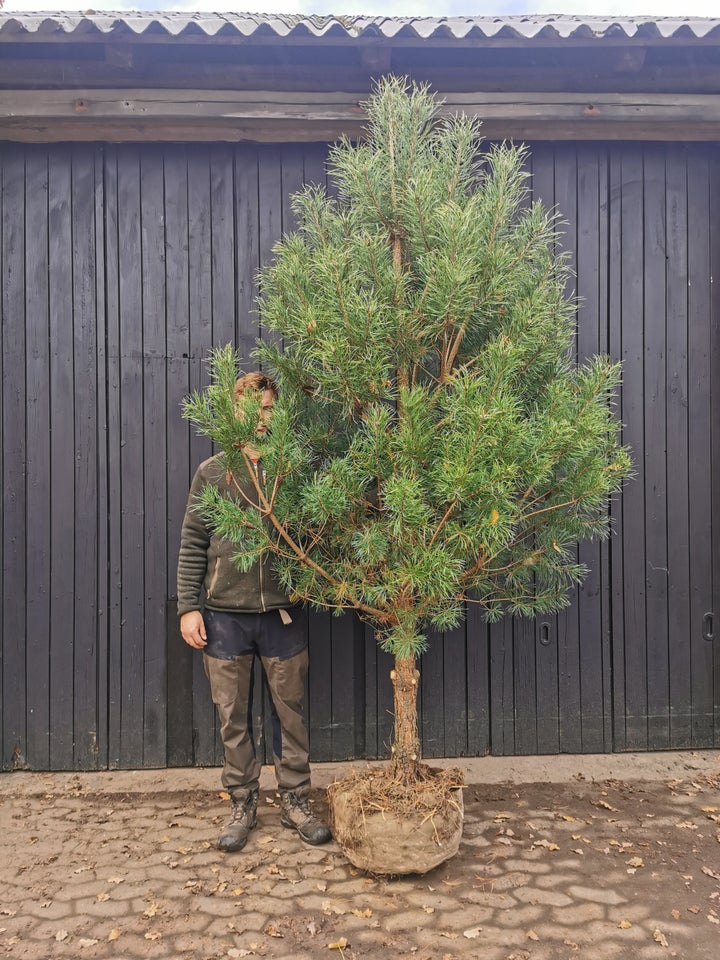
{"x": 253, "y": 381}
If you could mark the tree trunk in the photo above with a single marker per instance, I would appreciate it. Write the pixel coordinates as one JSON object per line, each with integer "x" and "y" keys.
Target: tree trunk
{"x": 406, "y": 745}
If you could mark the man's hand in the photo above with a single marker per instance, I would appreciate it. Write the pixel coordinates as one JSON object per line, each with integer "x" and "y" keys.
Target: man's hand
{"x": 192, "y": 628}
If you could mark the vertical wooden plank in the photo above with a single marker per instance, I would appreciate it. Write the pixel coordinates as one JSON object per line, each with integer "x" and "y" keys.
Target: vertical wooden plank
{"x": 632, "y": 309}
{"x": 84, "y": 450}
{"x": 455, "y": 692}
{"x": 714, "y": 170}
{"x": 568, "y": 627}
{"x": 619, "y": 734}
{"x": 655, "y": 435}
{"x": 347, "y": 668}
{"x": 379, "y": 697}
{"x": 247, "y": 218}
{"x": 14, "y": 521}
{"x": 224, "y": 319}
{"x": 527, "y": 707}
{"x": 699, "y": 441}
{"x": 37, "y": 377}
{"x": 200, "y": 323}
{"x": 63, "y": 524}
{"x": 179, "y": 656}
{"x": 103, "y": 507}
{"x": 678, "y": 546}
{"x": 545, "y": 634}
{"x": 591, "y": 280}
{"x": 320, "y": 686}
{"x": 432, "y": 697}
{"x": 132, "y": 559}
{"x": 502, "y": 700}
{"x": 112, "y": 308}
{"x": 154, "y": 454}
{"x": 478, "y": 682}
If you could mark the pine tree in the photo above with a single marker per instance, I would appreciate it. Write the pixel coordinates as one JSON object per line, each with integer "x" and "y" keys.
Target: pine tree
{"x": 434, "y": 443}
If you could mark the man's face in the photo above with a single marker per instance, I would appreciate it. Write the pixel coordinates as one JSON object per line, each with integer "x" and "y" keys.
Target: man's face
{"x": 267, "y": 402}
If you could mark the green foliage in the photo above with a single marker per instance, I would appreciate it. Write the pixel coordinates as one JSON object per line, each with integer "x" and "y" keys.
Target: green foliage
{"x": 434, "y": 441}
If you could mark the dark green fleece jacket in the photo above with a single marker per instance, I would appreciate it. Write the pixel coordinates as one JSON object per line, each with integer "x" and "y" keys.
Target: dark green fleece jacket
{"x": 205, "y": 559}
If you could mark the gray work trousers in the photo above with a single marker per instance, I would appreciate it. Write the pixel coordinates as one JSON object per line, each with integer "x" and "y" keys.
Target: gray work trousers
{"x": 231, "y": 688}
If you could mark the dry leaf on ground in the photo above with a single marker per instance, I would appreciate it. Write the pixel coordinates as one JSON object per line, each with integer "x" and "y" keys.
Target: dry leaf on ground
{"x": 61, "y": 935}
{"x": 151, "y": 910}
{"x": 340, "y": 944}
{"x": 531, "y": 935}
{"x": 473, "y": 933}
{"x": 115, "y": 934}
{"x": 660, "y": 938}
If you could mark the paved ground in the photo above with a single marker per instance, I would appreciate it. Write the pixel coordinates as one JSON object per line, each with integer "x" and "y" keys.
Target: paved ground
{"x": 601, "y": 858}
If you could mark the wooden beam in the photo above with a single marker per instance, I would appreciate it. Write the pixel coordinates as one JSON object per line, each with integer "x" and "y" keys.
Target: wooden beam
{"x": 271, "y": 115}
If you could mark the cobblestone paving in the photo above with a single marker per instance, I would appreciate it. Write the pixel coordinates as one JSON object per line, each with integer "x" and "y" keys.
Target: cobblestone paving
{"x": 594, "y": 870}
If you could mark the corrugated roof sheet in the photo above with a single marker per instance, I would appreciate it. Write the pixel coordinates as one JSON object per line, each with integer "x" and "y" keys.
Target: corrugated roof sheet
{"x": 187, "y": 26}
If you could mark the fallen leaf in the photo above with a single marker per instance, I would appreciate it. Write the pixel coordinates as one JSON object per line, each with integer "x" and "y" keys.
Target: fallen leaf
{"x": 448, "y": 935}
{"x": 102, "y": 897}
{"x": 606, "y": 806}
{"x": 272, "y": 932}
{"x": 546, "y": 844}
{"x": 338, "y": 944}
{"x": 675, "y": 914}
{"x": 429, "y": 909}
{"x": 61, "y": 935}
{"x": 709, "y": 809}
{"x": 235, "y": 953}
{"x": 624, "y": 924}
{"x": 7, "y": 913}
{"x": 531, "y": 935}
{"x": 713, "y": 919}
{"x": 660, "y": 938}
{"x": 237, "y": 892}
{"x": 451, "y": 883}
{"x": 711, "y": 873}
{"x": 224, "y": 795}
{"x": 693, "y": 909}
{"x": 329, "y": 907}
{"x": 116, "y": 879}
{"x": 568, "y": 818}
{"x": 114, "y": 934}
{"x": 266, "y": 840}
{"x": 502, "y": 816}
{"x": 86, "y": 942}
{"x": 473, "y": 933}
{"x": 635, "y": 862}
{"x": 151, "y": 910}
{"x": 312, "y": 928}
{"x": 153, "y": 935}
{"x": 321, "y": 886}
{"x": 251, "y": 876}
{"x": 367, "y": 912}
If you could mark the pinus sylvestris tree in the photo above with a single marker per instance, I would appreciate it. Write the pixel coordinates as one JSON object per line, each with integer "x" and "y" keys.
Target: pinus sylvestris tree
{"x": 434, "y": 442}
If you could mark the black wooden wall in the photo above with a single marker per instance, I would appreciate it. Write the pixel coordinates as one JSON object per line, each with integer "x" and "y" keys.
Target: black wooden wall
{"x": 120, "y": 266}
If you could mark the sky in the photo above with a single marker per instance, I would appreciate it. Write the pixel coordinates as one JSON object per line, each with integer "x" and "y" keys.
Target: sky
{"x": 395, "y": 8}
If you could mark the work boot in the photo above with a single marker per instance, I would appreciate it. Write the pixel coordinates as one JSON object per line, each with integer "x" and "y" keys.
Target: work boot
{"x": 297, "y": 815}
{"x": 234, "y": 834}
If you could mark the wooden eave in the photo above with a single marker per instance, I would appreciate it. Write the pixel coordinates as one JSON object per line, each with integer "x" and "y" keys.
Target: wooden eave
{"x": 231, "y": 115}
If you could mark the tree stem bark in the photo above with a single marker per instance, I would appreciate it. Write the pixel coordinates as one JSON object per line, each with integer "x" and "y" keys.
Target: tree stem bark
{"x": 406, "y": 746}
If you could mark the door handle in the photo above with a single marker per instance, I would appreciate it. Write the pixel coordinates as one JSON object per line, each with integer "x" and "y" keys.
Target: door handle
{"x": 708, "y": 627}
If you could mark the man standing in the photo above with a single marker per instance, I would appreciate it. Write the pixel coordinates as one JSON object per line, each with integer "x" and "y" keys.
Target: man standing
{"x": 244, "y": 615}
